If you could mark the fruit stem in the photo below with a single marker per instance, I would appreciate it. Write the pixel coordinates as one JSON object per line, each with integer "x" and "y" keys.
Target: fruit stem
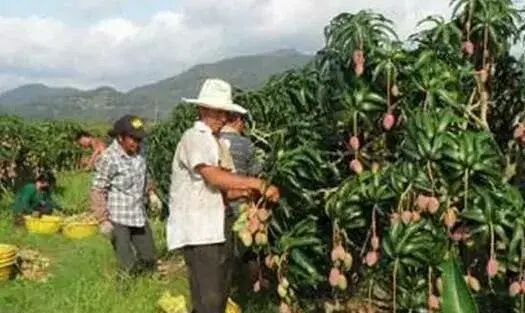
{"x": 522, "y": 297}
{"x": 394, "y": 286}
{"x": 492, "y": 252}
{"x": 485, "y": 44}
{"x": 465, "y": 195}
{"x": 429, "y": 278}
{"x": 374, "y": 229}
{"x": 403, "y": 195}
{"x": 336, "y": 238}
{"x": 425, "y": 101}
{"x": 355, "y": 123}
{"x": 470, "y": 15}
{"x": 388, "y": 90}
{"x": 369, "y": 300}
{"x": 363, "y": 248}
{"x": 429, "y": 168}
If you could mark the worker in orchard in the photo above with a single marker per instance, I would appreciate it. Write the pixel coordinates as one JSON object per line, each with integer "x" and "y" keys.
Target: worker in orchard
{"x": 200, "y": 222}
{"x": 245, "y": 162}
{"x": 87, "y": 141}
{"x": 35, "y": 198}
{"x": 118, "y": 197}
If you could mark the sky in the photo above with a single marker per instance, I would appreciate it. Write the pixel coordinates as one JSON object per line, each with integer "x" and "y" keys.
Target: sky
{"x": 128, "y": 43}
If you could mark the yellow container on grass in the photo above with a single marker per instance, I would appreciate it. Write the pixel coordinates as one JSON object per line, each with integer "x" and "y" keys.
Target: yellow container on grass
{"x": 80, "y": 230}
{"x": 177, "y": 304}
{"x": 8, "y": 261}
{"x": 232, "y": 307}
{"x": 47, "y": 224}
{"x": 6, "y": 272}
{"x": 7, "y": 251}
{"x": 172, "y": 304}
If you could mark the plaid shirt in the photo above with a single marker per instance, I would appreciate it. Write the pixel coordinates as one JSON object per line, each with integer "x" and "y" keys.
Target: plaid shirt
{"x": 124, "y": 179}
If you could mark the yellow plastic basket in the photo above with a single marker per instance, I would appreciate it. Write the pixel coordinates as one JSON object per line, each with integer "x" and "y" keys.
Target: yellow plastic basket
{"x": 172, "y": 304}
{"x": 80, "y": 230}
{"x": 177, "y": 304}
{"x": 47, "y": 224}
{"x": 232, "y": 307}
{"x": 7, "y": 251}
{"x": 6, "y": 272}
{"x": 8, "y": 261}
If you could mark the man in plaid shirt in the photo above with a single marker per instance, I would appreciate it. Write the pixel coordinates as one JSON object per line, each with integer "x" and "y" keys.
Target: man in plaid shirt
{"x": 118, "y": 196}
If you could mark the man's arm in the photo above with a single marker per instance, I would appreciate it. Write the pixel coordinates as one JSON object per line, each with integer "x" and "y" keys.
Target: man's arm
{"x": 104, "y": 171}
{"x": 50, "y": 201}
{"x": 23, "y": 201}
{"x": 226, "y": 181}
{"x": 232, "y": 195}
{"x": 200, "y": 160}
{"x": 91, "y": 161}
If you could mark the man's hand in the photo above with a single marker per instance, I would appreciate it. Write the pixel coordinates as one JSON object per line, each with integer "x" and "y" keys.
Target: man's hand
{"x": 152, "y": 185}
{"x": 272, "y": 193}
{"x": 154, "y": 202}
{"x": 106, "y": 228}
{"x": 237, "y": 194}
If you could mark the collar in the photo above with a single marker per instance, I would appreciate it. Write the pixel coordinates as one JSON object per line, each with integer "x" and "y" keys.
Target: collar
{"x": 118, "y": 148}
{"x": 201, "y": 126}
{"x": 229, "y": 129}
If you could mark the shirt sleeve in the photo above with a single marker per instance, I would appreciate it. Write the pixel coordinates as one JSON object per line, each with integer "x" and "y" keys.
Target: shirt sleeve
{"x": 50, "y": 201}
{"x": 196, "y": 151}
{"x": 104, "y": 171}
{"x": 23, "y": 200}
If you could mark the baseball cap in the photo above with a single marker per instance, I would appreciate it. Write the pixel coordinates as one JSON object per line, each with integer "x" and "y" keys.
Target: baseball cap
{"x": 130, "y": 125}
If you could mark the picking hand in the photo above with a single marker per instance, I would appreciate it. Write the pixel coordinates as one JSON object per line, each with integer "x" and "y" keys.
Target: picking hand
{"x": 272, "y": 194}
{"x": 106, "y": 228}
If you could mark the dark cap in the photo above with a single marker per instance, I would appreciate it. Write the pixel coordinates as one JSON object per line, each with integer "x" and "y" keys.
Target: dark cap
{"x": 130, "y": 125}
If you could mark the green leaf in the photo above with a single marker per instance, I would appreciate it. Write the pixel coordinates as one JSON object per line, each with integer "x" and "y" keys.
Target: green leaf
{"x": 456, "y": 296}
{"x": 305, "y": 263}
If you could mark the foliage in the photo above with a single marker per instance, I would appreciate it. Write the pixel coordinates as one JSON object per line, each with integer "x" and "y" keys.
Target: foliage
{"x": 396, "y": 152}
{"x": 30, "y": 147}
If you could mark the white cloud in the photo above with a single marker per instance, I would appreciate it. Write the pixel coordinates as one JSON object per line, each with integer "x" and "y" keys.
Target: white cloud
{"x": 125, "y": 53}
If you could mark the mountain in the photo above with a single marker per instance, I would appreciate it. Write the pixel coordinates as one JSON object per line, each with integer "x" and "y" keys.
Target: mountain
{"x": 106, "y": 103}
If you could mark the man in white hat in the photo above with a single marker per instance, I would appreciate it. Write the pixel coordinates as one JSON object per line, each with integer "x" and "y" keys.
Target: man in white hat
{"x": 198, "y": 222}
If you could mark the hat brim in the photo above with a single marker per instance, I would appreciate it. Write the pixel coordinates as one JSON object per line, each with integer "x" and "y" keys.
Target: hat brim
{"x": 210, "y": 104}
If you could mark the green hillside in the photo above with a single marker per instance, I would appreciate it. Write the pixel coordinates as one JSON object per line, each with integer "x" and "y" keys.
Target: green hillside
{"x": 150, "y": 101}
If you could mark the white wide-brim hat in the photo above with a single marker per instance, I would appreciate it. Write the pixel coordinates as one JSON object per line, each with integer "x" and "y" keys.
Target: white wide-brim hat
{"x": 216, "y": 94}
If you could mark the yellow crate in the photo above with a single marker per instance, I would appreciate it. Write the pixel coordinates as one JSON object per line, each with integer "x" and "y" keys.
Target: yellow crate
{"x": 7, "y": 251}
{"x": 8, "y": 261}
{"x": 177, "y": 304}
{"x": 232, "y": 307}
{"x": 78, "y": 230}
{"x": 47, "y": 224}
{"x": 172, "y": 304}
{"x": 6, "y": 272}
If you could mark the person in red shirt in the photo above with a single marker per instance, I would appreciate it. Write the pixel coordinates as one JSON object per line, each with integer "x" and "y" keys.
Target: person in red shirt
{"x": 87, "y": 141}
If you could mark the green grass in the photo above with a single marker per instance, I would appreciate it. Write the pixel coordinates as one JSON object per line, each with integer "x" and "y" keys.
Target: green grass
{"x": 83, "y": 271}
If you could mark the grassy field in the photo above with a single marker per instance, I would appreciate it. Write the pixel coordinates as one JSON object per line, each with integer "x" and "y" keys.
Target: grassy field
{"x": 82, "y": 271}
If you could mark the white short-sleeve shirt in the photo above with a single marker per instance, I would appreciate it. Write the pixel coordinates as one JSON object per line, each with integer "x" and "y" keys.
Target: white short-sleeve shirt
{"x": 196, "y": 209}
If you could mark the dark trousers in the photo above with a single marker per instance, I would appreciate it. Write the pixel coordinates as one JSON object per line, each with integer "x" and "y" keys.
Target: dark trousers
{"x": 210, "y": 272}
{"x": 134, "y": 247}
